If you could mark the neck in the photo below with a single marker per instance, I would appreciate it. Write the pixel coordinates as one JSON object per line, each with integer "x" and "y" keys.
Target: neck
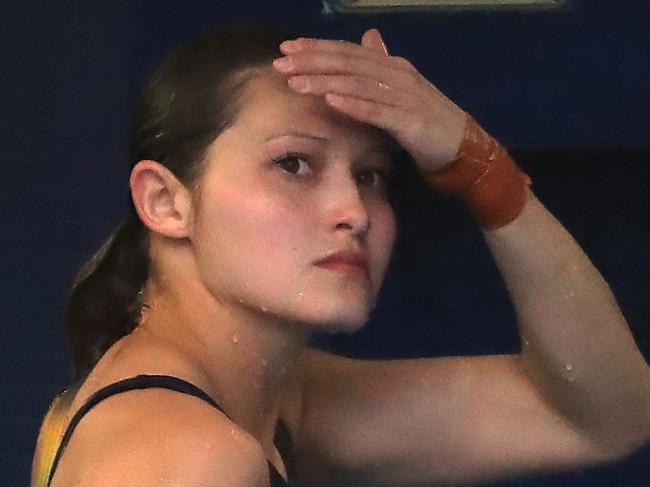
{"x": 244, "y": 358}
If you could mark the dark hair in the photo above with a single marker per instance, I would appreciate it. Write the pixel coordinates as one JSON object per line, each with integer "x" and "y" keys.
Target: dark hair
{"x": 190, "y": 99}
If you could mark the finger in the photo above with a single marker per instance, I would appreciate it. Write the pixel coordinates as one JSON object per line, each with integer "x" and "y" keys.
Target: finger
{"x": 329, "y": 63}
{"x": 303, "y": 44}
{"x": 354, "y": 86}
{"x": 377, "y": 114}
{"x": 372, "y": 39}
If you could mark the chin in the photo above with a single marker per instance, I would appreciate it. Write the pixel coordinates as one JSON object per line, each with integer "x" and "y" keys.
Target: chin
{"x": 344, "y": 327}
{"x": 323, "y": 311}
{"x": 348, "y": 321}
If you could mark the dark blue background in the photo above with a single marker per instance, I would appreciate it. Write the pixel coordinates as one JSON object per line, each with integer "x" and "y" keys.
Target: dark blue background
{"x": 567, "y": 91}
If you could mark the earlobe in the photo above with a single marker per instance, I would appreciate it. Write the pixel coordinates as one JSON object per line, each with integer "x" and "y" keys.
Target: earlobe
{"x": 162, "y": 202}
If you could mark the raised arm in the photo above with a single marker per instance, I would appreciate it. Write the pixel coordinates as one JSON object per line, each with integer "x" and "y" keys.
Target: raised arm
{"x": 578, "y": 394}
{"x": 576, "y": 346}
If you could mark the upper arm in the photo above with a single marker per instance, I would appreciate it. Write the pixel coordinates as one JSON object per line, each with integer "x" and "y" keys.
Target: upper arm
{"x": 167, "y": 439}
{"x": 182, "y": 460}
{"x": 455, "y": 419}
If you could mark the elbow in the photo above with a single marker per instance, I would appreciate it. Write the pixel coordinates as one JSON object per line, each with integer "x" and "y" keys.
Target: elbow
{"x": 638, "y": 433}
{"x": 627, "y": 428}
{"x": 618, "y": 447}
{"x": 636, "y": 441}
{"x": 624, "y": 450}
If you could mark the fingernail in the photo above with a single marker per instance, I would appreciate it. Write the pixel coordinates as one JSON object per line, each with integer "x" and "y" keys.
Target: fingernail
{"x": 381, "y": 39}
{"x": 333, "y": 99}
{"x": 283, "y": 63}
{"x": 289, "y": 46}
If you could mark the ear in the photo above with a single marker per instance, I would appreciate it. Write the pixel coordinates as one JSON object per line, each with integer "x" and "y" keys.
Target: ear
{"x": 163, "y": 203}
{"x": 372, "y": 39}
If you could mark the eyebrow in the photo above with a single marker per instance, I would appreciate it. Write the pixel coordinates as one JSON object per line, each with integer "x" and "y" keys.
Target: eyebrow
{"x": 297, "y": 134}
{"x": 374, "y": 148}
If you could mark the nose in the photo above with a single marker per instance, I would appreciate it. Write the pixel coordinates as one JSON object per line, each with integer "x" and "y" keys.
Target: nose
{"x": 346, "y": 210}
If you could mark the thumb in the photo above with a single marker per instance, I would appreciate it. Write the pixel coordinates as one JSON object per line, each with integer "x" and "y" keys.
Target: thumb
{"x": 373, "y": 40}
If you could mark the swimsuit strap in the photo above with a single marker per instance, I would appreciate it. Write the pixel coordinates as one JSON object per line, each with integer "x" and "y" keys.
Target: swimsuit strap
{"x": 133, "y": 383}
{"x": 283, "y": 437}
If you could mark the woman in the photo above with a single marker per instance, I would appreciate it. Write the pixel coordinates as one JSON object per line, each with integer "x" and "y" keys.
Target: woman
{"x": 261, "y": 215}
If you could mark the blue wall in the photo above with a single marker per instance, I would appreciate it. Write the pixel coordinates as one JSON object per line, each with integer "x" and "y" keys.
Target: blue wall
{"x": 567, "y": 91}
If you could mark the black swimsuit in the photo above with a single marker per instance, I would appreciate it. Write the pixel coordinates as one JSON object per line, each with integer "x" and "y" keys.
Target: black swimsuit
{"x": 282, "y": 439}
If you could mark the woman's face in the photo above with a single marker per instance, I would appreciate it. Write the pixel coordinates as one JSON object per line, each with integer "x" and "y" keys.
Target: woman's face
{"x": 288, "y": 184}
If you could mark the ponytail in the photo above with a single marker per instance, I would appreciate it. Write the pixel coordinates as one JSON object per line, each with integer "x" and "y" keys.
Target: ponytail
{"x": 105, "y": 302}
{"x": 190, "y": 99}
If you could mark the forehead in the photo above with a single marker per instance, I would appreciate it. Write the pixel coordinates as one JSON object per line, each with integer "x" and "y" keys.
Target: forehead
{"x": 269, "y": 107}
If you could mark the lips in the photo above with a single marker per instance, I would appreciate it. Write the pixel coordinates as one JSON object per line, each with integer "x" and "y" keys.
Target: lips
{"x": 345, "y": 261}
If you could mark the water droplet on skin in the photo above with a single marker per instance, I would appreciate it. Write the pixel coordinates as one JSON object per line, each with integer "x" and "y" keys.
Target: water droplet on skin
{"x": 569, "y": 373}
{"x": 300, "y": 295}
{"x": 264, "y": 309}
{"x": 235, "y": 339}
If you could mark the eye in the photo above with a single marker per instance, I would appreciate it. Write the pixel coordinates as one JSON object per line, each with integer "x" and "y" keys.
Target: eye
{"x": 294, "y": 164}
{"x": 371, "y": 178}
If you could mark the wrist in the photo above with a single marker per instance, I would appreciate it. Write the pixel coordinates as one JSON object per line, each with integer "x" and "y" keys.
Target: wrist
{"x": 484, "y": 177}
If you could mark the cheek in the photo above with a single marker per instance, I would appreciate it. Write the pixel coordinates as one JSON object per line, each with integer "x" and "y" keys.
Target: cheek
{"x": 381, "y": 240}
{"x": 249, "y": 234}
{"x": 384, "y": 231}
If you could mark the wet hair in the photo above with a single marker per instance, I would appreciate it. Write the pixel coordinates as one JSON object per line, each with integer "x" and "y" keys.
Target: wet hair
{"x": 189, "y": 100}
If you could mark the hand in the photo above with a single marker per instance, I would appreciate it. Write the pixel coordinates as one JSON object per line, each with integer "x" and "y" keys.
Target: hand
{"x": 366, "y": 83}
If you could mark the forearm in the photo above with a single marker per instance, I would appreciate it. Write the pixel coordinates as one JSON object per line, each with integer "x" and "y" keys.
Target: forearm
{"x": 576, "y": 345}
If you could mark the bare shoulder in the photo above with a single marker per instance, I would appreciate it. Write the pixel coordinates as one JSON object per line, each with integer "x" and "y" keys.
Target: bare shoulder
{"x": 160, "y": 437}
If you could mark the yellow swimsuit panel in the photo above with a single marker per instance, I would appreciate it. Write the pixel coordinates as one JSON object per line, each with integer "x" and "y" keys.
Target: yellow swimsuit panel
{"x": 50, "y": 436}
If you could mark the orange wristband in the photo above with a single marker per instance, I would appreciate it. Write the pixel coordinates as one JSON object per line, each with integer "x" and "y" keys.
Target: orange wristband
{"x": 485, "y": 178}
